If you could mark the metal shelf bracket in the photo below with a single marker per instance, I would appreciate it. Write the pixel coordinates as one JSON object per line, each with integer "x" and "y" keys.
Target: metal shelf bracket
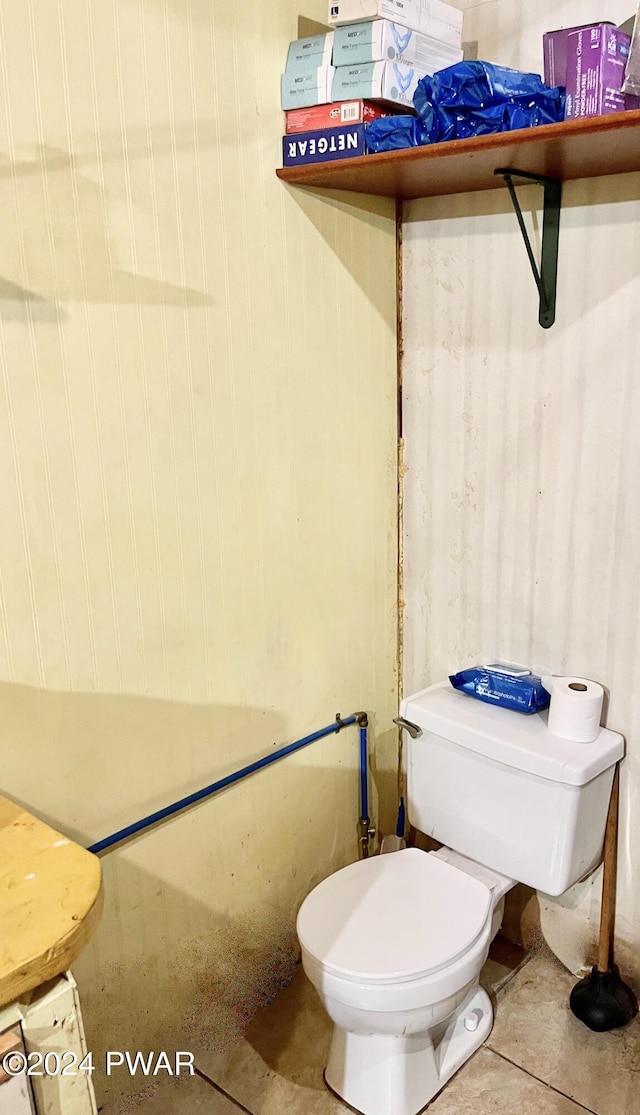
{"x": 546, "y": 276}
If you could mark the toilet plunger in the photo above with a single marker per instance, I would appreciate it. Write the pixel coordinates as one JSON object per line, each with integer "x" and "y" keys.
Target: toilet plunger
{"x": 602, "y": 1001}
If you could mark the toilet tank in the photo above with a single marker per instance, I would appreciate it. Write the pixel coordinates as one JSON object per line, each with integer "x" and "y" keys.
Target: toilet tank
{"x": 499, "y": 787}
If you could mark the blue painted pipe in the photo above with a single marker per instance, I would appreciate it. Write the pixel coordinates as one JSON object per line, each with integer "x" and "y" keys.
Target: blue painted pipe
{"x": 364, "y": 793}
{"x": 237, "y": 776}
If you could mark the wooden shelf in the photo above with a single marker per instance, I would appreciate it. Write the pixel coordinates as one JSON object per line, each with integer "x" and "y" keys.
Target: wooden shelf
{"x": 586, "y": 148}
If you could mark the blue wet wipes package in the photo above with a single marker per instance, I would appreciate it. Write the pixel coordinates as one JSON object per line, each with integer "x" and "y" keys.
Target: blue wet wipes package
{"x": 391, "y": 133}
{"x": 521, "y": 694}
{"x": 476, "y": 98}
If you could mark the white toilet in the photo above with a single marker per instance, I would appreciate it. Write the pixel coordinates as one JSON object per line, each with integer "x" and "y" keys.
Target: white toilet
{"x": 394, "y": 944}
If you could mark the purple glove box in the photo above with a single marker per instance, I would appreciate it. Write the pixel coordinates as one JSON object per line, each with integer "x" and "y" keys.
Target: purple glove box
{"x": 554, "y": 45}
{"x": 596, "y": 60}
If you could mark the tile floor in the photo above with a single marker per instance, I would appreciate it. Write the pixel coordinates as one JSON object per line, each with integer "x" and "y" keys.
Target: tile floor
{"x": 538, "y": 1060}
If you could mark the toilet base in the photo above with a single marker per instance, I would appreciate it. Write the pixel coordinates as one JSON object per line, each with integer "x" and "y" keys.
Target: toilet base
{"x": 377, "y": 1074}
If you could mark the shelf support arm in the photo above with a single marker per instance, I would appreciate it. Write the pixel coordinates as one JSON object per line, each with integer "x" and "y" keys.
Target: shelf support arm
{"x": 546, "y": 278}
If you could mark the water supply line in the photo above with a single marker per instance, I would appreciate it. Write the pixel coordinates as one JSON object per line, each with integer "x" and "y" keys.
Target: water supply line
{"x": 366, "y": 832}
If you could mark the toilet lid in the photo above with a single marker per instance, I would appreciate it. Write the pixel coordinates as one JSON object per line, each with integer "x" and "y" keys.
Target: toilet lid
{"x": 393, "y": 917}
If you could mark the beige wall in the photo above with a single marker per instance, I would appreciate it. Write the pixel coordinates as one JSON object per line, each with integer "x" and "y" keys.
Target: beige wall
{"x": 522, "y": 497}
{"x": 197, "y": 445}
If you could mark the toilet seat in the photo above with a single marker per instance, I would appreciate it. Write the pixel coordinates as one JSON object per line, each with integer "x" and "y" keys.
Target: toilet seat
{"x": 394, "y": 918}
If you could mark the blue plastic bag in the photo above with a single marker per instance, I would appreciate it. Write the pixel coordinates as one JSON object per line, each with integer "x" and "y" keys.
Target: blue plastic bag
{"x": 476, "y": 98}
{"x": 521, "y": 694}
{"x": 391, "y": 133}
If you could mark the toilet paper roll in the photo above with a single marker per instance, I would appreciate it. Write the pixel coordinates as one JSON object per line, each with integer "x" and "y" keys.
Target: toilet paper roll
{"x": 575, "y": 709}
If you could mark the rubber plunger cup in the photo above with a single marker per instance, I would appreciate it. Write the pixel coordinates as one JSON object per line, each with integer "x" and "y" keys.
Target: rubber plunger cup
{"x": 603, "y": 1002}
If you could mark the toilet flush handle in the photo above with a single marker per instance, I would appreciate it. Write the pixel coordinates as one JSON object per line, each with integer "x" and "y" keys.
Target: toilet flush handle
{"x": 413, "y": 729}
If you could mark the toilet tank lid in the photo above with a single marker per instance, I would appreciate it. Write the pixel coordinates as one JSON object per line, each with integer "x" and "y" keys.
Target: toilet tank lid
{"x": 510, "y": 738}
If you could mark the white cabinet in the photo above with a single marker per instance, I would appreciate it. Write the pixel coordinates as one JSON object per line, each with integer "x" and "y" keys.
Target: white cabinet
{"x": 15, "y": 1091}
{"x": 48, "y": 1023}
{"x": 15, "y": 1097}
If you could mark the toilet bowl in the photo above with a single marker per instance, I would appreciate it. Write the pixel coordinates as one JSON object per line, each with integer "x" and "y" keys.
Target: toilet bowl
{"x": 394, "y": 946}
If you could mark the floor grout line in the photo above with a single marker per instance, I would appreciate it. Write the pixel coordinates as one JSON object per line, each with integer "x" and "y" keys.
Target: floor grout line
{"x": 540, "y": 1080}
{"x": 208, "y": 1080}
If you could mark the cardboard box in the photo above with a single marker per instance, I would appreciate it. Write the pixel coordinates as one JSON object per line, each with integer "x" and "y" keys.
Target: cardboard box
{"x": 380, "y": 40}
{"x": 596, "y": 60}
{"x": 310, "y": 53}
{"x": 632, "y": 68}
{"x": 554, "y": 47}
{"x": 305, "y": 87}
{"x": 324, "y": 145}
{"x": 333, "y": 115}
{"x": 383, "y": 81}
{"x": 431, "y": 17}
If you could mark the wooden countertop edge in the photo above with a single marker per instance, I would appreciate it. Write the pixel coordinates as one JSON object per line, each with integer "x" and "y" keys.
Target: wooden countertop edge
{"x": 51, "y": 899}
{"x": 39, "y": 969}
